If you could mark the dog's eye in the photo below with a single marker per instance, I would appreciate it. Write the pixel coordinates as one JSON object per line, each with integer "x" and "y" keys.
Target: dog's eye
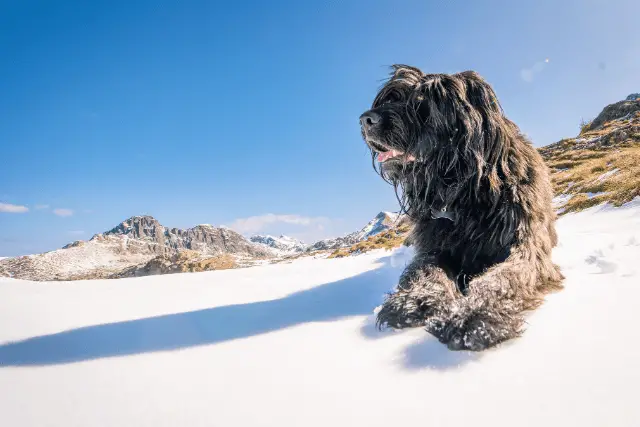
{"x": 392, "y": 97}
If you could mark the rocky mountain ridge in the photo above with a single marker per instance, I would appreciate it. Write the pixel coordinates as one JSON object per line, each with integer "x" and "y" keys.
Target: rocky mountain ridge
{"x": 203, "y": 238}
{"x": 379, "y": 224}
{"x": 135, "y": 242}
{"x": 141, "y": 245}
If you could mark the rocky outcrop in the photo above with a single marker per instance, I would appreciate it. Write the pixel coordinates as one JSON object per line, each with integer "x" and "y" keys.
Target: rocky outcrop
{"x": 381, "y": 223}
{"x": 203, "y": 238}
{"x": 617, "y": 111}
{"x": 335, "y": 243}
{"x": 181, "y": 262}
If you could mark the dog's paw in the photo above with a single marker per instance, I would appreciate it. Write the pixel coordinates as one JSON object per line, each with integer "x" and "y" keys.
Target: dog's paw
{"x": 400, "y": 311}
{"x": 477, "y": 332}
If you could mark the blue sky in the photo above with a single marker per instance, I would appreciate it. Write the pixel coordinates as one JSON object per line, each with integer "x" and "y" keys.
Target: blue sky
{"x": 245, "y": 113}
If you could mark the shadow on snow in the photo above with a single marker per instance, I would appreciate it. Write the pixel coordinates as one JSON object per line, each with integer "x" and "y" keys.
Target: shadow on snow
{"x": 353, "y": 296}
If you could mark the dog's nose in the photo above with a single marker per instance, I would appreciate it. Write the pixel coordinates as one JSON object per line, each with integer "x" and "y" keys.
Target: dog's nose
{"x": 369, "y": 119}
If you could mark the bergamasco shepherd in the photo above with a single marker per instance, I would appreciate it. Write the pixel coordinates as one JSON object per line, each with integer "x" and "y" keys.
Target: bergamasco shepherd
{"x": 479, "y": 197}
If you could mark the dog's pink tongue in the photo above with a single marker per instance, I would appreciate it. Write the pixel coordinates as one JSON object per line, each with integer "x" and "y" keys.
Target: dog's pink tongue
{"x": 386, "y": 155}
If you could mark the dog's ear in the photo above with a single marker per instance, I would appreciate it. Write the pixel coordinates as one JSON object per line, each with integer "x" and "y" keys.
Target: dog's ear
{"x": 406, "y": 72}
{"x": 491, "y": 140}
{"x": 479, "y": 93}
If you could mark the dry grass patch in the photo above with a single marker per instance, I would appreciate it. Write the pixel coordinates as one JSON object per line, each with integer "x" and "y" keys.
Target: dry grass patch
{"x": 585, "y": 125}
{"x": 218, "y": 262}
{"x": 613, "y": 176}
{"x": 602, "y": 165}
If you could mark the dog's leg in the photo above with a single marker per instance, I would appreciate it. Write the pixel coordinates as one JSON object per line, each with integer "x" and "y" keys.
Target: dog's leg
{"x": 492, "y": 311}
{"x": 424, "y": 290}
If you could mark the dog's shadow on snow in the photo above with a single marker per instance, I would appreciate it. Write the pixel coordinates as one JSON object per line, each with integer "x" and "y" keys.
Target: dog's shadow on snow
{"x": 426, "y": 353}
{"x": 353, "y": 296}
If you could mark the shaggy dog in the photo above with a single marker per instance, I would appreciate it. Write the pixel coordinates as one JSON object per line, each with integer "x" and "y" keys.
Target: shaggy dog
{"x": 479, "y": 197}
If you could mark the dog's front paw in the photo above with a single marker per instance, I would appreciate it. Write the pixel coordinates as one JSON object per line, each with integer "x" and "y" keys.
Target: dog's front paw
{"x": 402, "y": 310}
{"x": 477, "y": 332}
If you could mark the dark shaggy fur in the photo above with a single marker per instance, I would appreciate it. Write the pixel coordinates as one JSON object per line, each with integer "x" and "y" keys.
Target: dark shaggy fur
{"x": 479, "y": 196}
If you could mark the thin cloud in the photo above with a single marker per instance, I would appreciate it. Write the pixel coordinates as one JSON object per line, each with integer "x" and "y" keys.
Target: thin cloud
{"x": 63, "y": 212}
{"x": 312, "y": 234}
{"x": 254, "y": 224}
{"x": 76, "y": 232}
{"x": 39, "y": 207}
{"x": 9, "y": 208}
{"x": 528, "y": 74}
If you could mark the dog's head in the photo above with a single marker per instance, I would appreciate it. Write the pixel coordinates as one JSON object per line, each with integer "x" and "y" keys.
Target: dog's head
{"x": 436, "y": 131}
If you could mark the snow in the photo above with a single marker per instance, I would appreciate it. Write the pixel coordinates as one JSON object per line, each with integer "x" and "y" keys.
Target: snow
{"x": 561, "y": 200}
{"x": 294, "y": 345}
{"x": 89, "y": 256}
{"x": 283, "y": 244}
{"x": 591, "y": 195}
{"x": 377, "y": 225}
{"x": 106, "y": 255}
{"x": 607, "y": 174}
{"x": 585, "y": 141}
{"x": 380, "y": 223}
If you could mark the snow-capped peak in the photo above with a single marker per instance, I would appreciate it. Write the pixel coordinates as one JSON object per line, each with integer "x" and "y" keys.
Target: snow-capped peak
{"x": 282, "y": 243}
{"x": 382, "y": 222}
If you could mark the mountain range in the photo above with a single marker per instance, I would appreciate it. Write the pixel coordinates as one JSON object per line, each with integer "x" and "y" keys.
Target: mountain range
{"x": 141, "y": 246}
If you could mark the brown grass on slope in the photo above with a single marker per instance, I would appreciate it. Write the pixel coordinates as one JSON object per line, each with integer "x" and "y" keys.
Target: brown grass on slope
{"x": 603, "y": 165}
{"x": 182, "y": 262}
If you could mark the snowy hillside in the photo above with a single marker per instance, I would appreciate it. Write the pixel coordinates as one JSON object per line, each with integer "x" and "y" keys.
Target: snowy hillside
{"x": 283, "y": 243}
{"x": 294, "y": 345}
{"x": 141, "y": 245}
{"x": 380, "y": 223}
{"x": 130, "y": 246}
